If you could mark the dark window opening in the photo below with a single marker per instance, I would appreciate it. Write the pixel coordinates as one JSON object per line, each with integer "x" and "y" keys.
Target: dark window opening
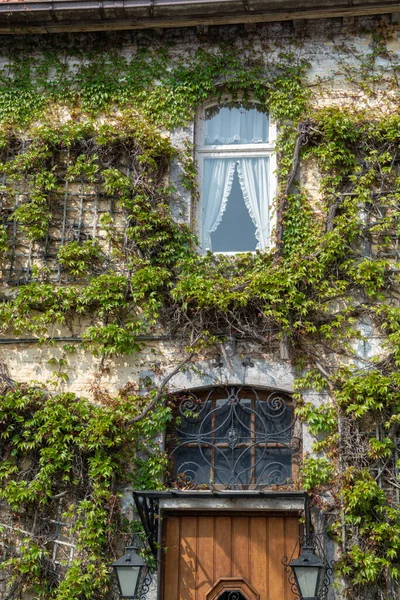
{"x": 236, "y": 232}
{"x": 233, "y": 437}
{"x": 232, "y": 595}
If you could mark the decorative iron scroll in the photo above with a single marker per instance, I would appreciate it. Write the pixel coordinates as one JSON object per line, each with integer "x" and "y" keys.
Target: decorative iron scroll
{"x": 233, "y": 437}
{"x": 146, "y": 585}
{"x": 232, "y": 595}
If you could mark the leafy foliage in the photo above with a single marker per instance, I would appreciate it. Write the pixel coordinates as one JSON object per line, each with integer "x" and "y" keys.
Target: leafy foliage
{"x": 77, "y": 258}
{"x": 63, "y": 451}
{"x": 327, "y": 273}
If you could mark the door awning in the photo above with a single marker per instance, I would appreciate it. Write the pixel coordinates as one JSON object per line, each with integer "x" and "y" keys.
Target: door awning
{"x": 147, "y": 504}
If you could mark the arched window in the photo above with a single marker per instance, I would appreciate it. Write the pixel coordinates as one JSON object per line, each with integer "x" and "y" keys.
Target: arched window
{"x": 232, "y": 437}
{"x": 235, "y": 152}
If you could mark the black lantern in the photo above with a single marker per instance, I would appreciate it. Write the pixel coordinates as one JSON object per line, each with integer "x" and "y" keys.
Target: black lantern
{"x": 308, "y": 571}
{"x": 131, "y": 571}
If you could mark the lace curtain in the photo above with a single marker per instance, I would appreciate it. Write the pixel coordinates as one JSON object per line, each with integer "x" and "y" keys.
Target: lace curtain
{"x": 217, "y": 185}
{"x": 253, "y": 178}
{"x": 235, "y": 125}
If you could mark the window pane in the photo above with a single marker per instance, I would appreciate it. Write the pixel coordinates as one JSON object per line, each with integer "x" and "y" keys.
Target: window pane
{"x": 232, "y": 595}
{"x": 236, "y": 231}
{"x": 277, "y": 419}
{"x": 192, "y": 465}
{"x": 233, "y": 422}
{"x": 273, "y": 466}
{"x": 192, "y": 414}
{"x": 233, "y": 466}
{"x": 235, "y": 124}
{"x": 232, "y": 438}
{"x": 235, "y": 204}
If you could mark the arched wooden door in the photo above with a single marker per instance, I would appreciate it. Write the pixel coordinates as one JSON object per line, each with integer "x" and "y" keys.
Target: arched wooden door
{"x": 204, "y": 550}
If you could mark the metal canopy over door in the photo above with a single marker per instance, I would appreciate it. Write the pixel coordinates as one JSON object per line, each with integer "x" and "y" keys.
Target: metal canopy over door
{"x": 204, "y": 551}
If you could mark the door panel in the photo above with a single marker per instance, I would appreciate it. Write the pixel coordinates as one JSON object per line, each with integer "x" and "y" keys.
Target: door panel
{"x": 187, "y": 557}
{"x": 222, "y": 547}
{"x": 205, "y": 556}
{"x": 240, "y": 547}
{"x": 171, "y": 583}
{"x": 205, "y": 549}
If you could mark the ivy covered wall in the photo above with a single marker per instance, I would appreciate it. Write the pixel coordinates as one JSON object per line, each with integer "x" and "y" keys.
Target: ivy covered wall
{"x": 103, "y": 285}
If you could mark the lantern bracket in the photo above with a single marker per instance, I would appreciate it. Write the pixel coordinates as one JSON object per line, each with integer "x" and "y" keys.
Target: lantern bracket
{"x": 147, "y": 507}
{"x": 314, "y": 542}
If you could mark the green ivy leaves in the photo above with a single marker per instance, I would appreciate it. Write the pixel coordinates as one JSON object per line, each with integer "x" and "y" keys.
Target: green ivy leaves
{"x": 64, "y": 447}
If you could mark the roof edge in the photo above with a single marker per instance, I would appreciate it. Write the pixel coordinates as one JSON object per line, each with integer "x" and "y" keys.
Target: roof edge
{"x": 57, "y": 16}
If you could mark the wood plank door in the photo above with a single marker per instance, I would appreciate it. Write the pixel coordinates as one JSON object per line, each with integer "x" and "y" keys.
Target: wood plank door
{"x": 203, "y": 551}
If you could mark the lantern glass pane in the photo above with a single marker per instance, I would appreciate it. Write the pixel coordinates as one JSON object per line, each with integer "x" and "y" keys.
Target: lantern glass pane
{"x": 128, "y": 577}
{"x": 307, "y": 579}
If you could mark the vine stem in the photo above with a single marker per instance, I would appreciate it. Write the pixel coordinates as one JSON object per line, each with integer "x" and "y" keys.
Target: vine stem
{"x": 163, "y": 384}
{"x": 302, "y": 136}
{"x": 5, "y": 377}
{"x": 11, "y": 592}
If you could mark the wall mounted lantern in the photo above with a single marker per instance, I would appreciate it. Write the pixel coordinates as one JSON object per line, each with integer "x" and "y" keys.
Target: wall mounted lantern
{"x": 309, "y": 573}
{"x": 132, "y": 574}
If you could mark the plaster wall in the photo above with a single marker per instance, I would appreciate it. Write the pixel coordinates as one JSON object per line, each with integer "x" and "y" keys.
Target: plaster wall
{"x": 322, "y": 43}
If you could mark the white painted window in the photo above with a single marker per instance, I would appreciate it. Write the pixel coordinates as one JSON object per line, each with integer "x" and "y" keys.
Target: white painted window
{"x": 235, "y": 153}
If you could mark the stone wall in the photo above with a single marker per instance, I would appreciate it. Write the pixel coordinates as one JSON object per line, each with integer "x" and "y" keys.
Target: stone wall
{"x": 322, "y": 43}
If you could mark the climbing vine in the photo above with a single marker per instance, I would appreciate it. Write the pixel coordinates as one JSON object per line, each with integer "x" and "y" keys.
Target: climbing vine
{"x": 93, "y": 125}
{"x": 61, "y": 458}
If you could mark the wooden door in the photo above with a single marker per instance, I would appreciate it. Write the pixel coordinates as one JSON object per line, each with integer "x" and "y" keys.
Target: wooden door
{"x": 204, "y": 550}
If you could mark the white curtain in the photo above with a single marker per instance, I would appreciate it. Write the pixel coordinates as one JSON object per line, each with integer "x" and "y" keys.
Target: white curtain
{"x": 253, "y": 178}
{"x": 217, "y": 184}
{"x": 236, "y": 126}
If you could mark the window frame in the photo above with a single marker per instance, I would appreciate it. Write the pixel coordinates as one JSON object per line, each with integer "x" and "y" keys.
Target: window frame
{"x": 291, "y": 440}
{"x": 256, "y": 150}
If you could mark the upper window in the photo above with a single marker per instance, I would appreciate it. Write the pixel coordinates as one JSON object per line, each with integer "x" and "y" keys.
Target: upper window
{"x": 236, "y": 165}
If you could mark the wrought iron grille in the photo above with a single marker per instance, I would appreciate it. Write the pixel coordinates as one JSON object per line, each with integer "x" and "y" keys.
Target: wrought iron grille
{"x": 233, "y": 437}
{"x": 232, "y": 595}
